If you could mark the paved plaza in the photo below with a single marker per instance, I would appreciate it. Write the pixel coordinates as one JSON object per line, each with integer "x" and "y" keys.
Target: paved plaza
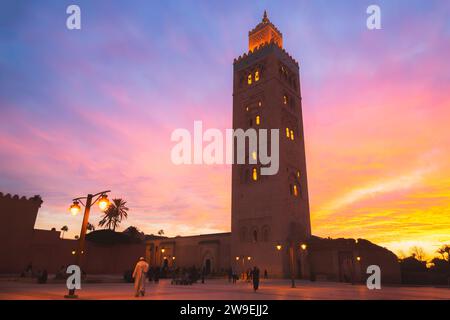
{"x": 222, "y": 290}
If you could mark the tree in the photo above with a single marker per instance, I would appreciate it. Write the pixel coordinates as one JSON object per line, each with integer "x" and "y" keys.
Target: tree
{"x": 77, "y": 237}
{"x": 418, "y": 253}
{"x": 90, "y": 227}
{"x": 161, "y": 232}
{"x": 64, "y": 229}
{"x": 134, "y": 233}
{"x": 114, "y": 215}
{"x": 445, "y": 249}
{"x": 131, "y": 230}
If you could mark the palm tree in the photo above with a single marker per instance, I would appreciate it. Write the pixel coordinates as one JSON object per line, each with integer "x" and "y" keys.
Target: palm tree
{"x": 90, "y": 227}
{"x": 161, "y": 232}
{"x": 114, "y": 214}
{"x": 64, "y": 229}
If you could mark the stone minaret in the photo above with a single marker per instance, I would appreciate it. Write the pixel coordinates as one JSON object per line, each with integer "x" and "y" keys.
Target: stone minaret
{"x": 270, "y": 210}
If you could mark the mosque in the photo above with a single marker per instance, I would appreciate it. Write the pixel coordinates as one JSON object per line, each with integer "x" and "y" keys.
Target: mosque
{"x": 270, "y": 218}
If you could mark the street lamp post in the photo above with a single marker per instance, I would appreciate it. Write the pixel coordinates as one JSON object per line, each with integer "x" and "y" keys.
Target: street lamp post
{"x": 291, "y": 263}
{"x": 279, "y": 247}
{"x": 103, "y": 204}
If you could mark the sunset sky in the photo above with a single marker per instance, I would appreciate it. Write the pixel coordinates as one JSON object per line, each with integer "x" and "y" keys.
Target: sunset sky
{"x": 94, "y": 109}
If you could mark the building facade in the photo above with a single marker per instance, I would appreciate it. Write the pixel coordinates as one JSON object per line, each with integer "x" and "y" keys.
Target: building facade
{"x": 269, "y": 211}
{"x": 270, "y": 218}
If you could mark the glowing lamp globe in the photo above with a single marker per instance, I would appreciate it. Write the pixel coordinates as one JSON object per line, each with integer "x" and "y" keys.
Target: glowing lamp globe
{"x": 103, "y": 203}
{"x": 75, "y": 208}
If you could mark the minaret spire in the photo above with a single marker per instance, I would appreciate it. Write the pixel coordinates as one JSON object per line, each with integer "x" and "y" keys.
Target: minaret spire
{"x": 264, "y": 33}
{"x": 265, "y": 17}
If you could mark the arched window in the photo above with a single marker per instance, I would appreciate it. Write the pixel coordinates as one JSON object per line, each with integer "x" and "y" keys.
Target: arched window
{"x": 285, "y": 99}
{"x": 295, "y": 190}
{"x": 259, "y": 104}
{"x": 255, "y": 235}
{"x": 292, "y": 135}
{"x": 265, "y": 234}
{"x": 258, "y": 120}
{"x": 254, "y": 155}
{"x": 255, "y": 174}
{"x": 288, "y": 134}
{"x": 298, "y": 173}
{"x": 256, "y": 76}
{"x": 249, "y": 79}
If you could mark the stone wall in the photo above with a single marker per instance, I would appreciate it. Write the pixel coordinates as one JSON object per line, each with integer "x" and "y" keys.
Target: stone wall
{"x": 44, "y": 249}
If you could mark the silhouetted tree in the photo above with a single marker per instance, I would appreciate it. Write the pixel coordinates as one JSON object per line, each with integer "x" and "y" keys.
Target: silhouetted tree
{"x": 90, "y": 227}
{"x": 161, "y": 232}
{"x": 411, "y": 264}
{"x": 439, "y": 265}
{"x": 64, "y": 229}
{"x": 445, "y": 249}
{"x": 114, "y": 215}
{"x": 418, "y": 253}
{"x": 134, "y": 233}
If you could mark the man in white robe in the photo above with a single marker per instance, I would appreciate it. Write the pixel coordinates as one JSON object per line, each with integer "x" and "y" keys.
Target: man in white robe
{"x": 139, "y": 276}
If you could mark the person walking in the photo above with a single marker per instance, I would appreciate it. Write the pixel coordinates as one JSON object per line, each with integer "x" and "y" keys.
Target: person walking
{"x": 139, "y": 277}
{"x": 156, "y": 275}
{"x": 203, "y": 274}
{"x": 255, "y": 278}
{"x": 235, "y": 275}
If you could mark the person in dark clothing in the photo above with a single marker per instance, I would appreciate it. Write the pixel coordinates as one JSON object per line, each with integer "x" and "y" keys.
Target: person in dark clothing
{"x": 255, "y": 278}
{"x": 265, "y": 274}
{"x": 194, "y": 274}
{"x": 156, "y": 275}
{"x": 150, "y": 274}
{"x": 230, "y": 274}
{"x": 43, "y": 276}
{"x": 203, "y": 274}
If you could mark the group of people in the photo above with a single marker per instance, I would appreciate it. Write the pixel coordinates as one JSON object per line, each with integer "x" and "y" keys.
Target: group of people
{"x": 188, "y": 275}
{"x": 40, "y": 275}
{"x": 232, "y": 275}
{"x": 142, "y": 270}
{"x": 251, "y": 275}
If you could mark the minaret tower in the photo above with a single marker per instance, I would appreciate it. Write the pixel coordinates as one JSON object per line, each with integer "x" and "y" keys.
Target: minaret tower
{"x": 270, "y": 211}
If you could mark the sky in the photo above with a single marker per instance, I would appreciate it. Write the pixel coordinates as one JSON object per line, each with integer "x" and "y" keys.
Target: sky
{"x": 87, "y": 110}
